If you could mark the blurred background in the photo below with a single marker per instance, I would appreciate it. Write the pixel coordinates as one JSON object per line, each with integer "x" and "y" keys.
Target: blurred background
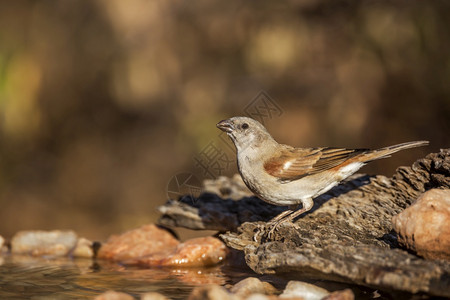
{"x": 103, "y": 102}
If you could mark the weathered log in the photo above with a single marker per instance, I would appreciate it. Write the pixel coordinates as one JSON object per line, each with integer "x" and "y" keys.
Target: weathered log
{"x": 347, "y": 236}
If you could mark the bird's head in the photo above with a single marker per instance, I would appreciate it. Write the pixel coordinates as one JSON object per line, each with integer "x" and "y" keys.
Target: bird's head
{"x": 245, "y": 132}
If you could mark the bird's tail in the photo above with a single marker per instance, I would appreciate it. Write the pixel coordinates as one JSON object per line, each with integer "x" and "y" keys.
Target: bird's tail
{"x": 387, "y": 151}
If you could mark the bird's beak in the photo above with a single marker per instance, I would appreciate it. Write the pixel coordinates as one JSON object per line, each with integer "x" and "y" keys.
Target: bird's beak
{"x": 225, "y": 125}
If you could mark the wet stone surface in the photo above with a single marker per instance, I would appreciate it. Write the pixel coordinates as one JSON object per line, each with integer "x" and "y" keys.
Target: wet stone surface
{"x": 144, "y": 241}
{"x": 198, "y": 252}
{"x": 152, "y": 246}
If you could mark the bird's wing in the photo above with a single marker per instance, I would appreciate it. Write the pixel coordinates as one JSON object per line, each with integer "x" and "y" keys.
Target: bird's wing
{"x": 295, "y": 163}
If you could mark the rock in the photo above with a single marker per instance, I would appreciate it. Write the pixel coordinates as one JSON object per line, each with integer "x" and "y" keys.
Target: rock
{"x": 38, "y": 243}
{"x": 83, "y": 248}
{"x": 211, "y": 212}
{"x": 211, "y": 292}
{"x": 152, "y": 246}
{"x": 424, "y": 227}
{"x": 2, "y": 243}
{"x": 3, "y": 249}
{"x": 347, "y": 236}
{"x": 198, "y": 252}
{"x": 258, "y": 296}
{"x": 112, "y": 295}
{"x": 252, "y": 285}
{"x": 140, "y": 242}
{"x": 304, "y": 290}
{"x": 346, "y": 294}
{"x": 153, "y": 296}
{"x": 199, "y": 276}
{"x": 217, "y": 208}
{"x": 229, "y": 188}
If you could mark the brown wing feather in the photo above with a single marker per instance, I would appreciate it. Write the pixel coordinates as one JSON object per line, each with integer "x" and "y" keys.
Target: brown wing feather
{"x": 295, "y": 163}
{"x": 287, "y": 164}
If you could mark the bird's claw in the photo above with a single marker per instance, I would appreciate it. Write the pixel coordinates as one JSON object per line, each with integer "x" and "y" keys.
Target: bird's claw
{"x": 266, "y": 232}
{"x": 258, "y": 237}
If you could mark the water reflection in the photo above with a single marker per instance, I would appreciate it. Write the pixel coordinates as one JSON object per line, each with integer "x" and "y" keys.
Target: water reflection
{"x": 38, "y": 278}
{"x": 25, "y": 277}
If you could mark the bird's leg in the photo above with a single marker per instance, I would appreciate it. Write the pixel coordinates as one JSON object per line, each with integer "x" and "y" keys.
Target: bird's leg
{"x": 307, "y": 205}
{"x": 289, "y": 215}
{"x": 284, "y": 214}
{"x": 273, "y": 223}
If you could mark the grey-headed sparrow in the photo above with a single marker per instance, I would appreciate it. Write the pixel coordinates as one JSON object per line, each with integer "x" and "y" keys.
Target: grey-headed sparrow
{"x": 283, "y": 175}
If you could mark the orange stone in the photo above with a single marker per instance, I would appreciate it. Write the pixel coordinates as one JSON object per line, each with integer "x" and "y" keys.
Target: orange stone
{"x": 144, "y": 241}
{"x": 198, "y": 252}
{"x": 201, "y": 252}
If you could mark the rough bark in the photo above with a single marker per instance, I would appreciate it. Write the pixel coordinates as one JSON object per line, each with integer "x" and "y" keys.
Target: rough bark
{"x": 347, "y": 236}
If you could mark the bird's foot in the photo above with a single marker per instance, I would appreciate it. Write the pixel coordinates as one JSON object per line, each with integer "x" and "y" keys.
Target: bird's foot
{"x": 265, "y": 233}
{"x": 272, "y": 226}
{"x": 259, "y": 232}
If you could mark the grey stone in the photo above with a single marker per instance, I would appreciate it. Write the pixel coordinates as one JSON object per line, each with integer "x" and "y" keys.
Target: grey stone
{"x": 211, "y": 292}
{"x": 232, "y": 188}
{"x": 258, "y": 296}
{"x": 113, "y": 295}
{"x": 2, "y": 243}
{"x": 83, "y": 248}
{"x": 39, "y": 242}
{"x": 252, "y": 285}
{"x": 305, "y": 290}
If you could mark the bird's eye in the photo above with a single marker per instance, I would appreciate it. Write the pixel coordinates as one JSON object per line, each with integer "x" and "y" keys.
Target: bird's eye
{"x": 244, "y": 126}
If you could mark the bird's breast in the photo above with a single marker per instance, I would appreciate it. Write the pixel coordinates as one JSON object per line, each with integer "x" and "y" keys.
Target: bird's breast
{"x": 263, "y": 185}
